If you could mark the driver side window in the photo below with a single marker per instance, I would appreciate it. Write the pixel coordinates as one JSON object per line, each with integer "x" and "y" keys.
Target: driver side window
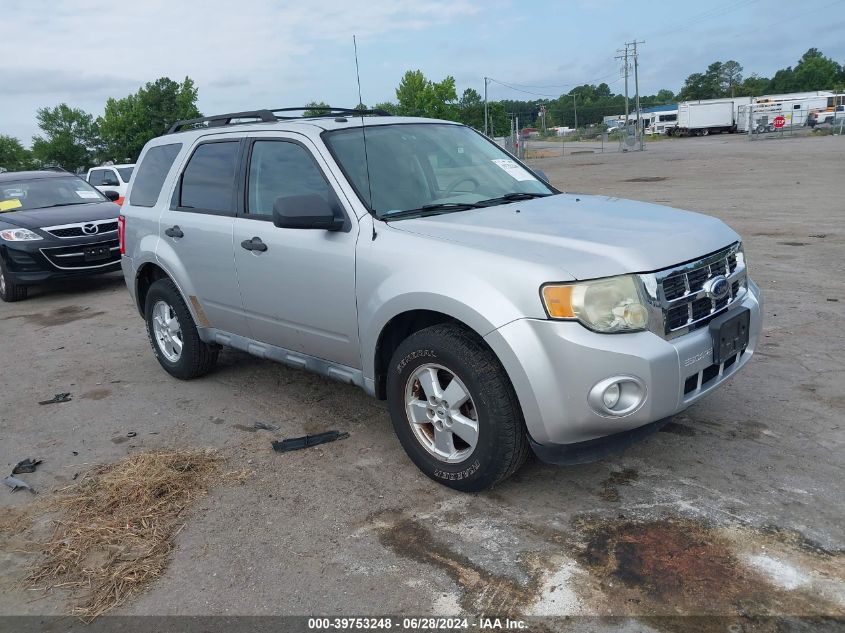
{"x": 281, "y": 169}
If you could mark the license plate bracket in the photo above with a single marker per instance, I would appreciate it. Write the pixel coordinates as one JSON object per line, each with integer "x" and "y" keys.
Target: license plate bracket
{"x": 730, "y": 334}
{"x": 96, "y": 253}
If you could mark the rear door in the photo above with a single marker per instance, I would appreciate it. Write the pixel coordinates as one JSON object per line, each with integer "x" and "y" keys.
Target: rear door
{"x": 196, "y": 233}
{"x": 299, "y": 293}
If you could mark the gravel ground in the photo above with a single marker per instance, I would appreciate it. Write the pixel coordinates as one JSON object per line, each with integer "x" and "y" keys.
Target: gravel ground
{"x": 733, "y": 510}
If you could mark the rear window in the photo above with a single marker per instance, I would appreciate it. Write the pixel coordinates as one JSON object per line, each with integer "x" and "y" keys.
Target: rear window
{"x": 208, "y": 183}
{"x": 151, "y": 174}
{"x": 125, "y": 173}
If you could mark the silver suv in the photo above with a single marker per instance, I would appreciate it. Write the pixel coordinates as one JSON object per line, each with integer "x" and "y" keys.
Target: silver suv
{"x": 418, "y": 260}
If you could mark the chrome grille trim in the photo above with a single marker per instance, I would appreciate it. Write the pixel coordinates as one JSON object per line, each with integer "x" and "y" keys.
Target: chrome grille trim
{"x": 714, "y": 264}
{"x": 79, "y": 225}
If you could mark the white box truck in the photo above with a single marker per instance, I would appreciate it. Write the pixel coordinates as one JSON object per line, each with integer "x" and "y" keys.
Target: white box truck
{"x": 708, "y": 116}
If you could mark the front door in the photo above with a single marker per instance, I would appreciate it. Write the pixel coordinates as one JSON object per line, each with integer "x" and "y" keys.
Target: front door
{"x": 298, "y": 290}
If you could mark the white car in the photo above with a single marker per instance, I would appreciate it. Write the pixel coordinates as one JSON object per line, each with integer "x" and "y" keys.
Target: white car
{"x": 111, "y": 178}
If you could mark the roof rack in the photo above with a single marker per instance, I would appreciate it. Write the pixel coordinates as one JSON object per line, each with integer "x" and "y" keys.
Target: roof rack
{"x": 270, "y": 116}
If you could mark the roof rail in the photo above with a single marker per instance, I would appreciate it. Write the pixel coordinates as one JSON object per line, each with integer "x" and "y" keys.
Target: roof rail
{"x": 270, "y": 116}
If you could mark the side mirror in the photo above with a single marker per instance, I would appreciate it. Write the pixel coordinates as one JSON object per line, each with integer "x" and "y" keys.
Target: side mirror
{"x": 306, "y": 212}
{"x": 111, "y": 195}
{"x": 542, "y": 175}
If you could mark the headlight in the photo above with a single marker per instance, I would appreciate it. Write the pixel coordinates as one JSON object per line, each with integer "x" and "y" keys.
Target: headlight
{"x": 603, "y": 305}
{"x": 19, "y": 235}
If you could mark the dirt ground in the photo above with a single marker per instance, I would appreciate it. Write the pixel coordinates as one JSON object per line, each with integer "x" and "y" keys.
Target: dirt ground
{"x": 735, "y": 509}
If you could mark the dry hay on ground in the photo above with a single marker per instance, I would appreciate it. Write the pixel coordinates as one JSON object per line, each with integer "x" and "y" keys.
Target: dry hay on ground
{"x": 116, "y": 526}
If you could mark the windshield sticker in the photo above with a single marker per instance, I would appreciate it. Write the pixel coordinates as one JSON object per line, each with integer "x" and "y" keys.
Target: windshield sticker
{"x": 89, "y": 195}
{"x": 10, "y": 205}
{"x": 514, "y": 170}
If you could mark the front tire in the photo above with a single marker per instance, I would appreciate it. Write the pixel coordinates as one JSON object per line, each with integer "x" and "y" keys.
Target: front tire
{"x": 454, "y": 409}
{"x": 173, "y": 334}
{"x": 10, "y": 292}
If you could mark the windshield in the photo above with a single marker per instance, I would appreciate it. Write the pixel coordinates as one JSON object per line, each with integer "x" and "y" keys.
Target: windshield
{"x": 125, "y": 173}
{"x": 427, "y": 166}
{"x": 40, "y": 193}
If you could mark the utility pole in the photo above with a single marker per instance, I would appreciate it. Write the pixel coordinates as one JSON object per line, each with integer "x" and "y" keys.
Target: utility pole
{"x": 623, "y": 55}
{"x": 486, "y": 81}
{"x": 637, "y": 89}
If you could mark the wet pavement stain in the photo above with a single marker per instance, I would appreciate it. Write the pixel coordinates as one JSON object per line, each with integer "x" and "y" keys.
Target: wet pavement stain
{"x": 685, "y": 567}
{"x": 96, "y": 394}
{"x": 678, "y": 429}
{"x": 481, "y": 590}
{"x": 624, "y": 477}
{"x": 59, "y": 316}
{"x": 646, "y": 179}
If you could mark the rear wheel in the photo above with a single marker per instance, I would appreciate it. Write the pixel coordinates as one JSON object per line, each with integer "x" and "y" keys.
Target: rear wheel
{"x": 454, "y": 410}
{"x": 173, "y": 334}
{"x": 9, "y": 291}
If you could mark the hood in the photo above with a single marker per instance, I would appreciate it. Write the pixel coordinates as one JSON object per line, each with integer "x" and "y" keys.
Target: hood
{"x": 70, "y": 214}
{"x": 586, "y": 236}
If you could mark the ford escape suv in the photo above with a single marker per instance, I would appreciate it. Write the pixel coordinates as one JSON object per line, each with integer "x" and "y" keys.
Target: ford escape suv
{"x": 418, "y": 260}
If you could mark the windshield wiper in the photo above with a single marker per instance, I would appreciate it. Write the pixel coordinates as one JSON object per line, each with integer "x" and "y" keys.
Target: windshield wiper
{"x": 511, "y": 197}
{"x": 432, "y": 209}
{"x": 59, "y": 204}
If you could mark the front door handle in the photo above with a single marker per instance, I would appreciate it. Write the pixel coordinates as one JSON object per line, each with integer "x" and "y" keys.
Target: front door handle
{"x": 255, "y": 244}
{"x": 174, "y": 231}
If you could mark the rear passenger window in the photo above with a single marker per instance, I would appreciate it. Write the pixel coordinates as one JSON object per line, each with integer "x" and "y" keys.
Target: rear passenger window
{"x": 151, "y": 174}
{"x": 208, "y": 182}
{"x": 279, "y": 169}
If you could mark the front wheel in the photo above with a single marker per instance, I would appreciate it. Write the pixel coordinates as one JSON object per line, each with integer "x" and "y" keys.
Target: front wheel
{"x": 10, "y": 292}
{"x": 454, "y": 410}
{"x": 173, "y": 334}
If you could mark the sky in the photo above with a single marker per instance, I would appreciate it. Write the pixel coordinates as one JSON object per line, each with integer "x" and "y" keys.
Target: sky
{"x": 277, "y": 53}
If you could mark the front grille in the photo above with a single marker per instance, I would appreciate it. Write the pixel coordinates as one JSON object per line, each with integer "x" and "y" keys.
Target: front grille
{"x": 73, "y": 257}
{"x": 75, "y": 230}
{"x": 683, "y": 291}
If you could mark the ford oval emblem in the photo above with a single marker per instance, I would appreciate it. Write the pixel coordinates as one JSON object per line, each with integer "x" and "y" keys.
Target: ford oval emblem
{"x": 717, "y": 288}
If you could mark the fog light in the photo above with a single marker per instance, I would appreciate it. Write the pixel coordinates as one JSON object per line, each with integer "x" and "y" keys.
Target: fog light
{"x": 617, "y": 396}
{"x": 610, "y": 397}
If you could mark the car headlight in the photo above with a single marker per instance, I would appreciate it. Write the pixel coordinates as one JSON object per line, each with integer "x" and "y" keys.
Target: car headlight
{"x": 19, "y": 235}
{"x": 608, "y": 305}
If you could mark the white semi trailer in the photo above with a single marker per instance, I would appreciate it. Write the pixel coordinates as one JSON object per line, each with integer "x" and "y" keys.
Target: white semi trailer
{"x": 708, "y": 116}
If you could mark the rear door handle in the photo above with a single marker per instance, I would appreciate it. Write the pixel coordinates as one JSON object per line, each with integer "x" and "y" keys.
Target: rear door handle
{"x": 255, "y": 244}
{"x": 174, "y": 231}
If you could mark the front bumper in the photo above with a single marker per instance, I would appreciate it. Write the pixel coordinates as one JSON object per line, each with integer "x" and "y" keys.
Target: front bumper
{"x": 553, "y": 365}
{"x": 40, "y": 261}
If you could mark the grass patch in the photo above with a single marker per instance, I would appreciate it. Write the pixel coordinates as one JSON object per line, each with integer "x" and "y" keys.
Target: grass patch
{"x": 116, "y": 527}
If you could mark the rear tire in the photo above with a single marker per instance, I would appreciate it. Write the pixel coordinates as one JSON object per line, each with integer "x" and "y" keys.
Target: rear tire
{"x": 447, "y": 353}
{"x": 173, "y": 334}
{"x": 10, "y": 292}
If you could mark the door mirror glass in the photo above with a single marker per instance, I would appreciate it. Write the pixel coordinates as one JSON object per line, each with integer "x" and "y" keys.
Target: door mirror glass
{"x": 111, "y": 195}
{"x": 306, "y": 212}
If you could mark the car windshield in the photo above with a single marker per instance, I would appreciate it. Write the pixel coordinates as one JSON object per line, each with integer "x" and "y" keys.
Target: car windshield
{"x": 40, "y": 193}
{"x": 429, "y": 167}
{"x": 125, "y": 173}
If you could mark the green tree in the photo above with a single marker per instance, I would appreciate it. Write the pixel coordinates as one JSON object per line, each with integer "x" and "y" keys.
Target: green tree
{"x": 69, "y": 137}
{"x": 13, "y": 155}
{"x": 128, "y": 123}
{"x": 665, "y": 96}
{"x": 471, "y": 109}
{"x": 315, "y": 108}
{"x": 731, "y": 77}
{"x": 410, "y": 93}
{"x": 783, "y": 81}
{"x": 816, "y": 72}
{"x": 387, "y": 106}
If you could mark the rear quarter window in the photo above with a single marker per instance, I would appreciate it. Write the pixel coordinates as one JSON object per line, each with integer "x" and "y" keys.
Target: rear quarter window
{"x": 152, "y": 171}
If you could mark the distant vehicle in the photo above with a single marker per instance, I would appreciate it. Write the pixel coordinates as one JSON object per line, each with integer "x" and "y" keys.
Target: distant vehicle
{"x": 418, "y": 260}
{"x": 708, "y": 116}
{"x": 111, "y": 178}
{"x": 832, "y": 112}
{"x": 795, "y": 108}
{"x": 53, "y": 225}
